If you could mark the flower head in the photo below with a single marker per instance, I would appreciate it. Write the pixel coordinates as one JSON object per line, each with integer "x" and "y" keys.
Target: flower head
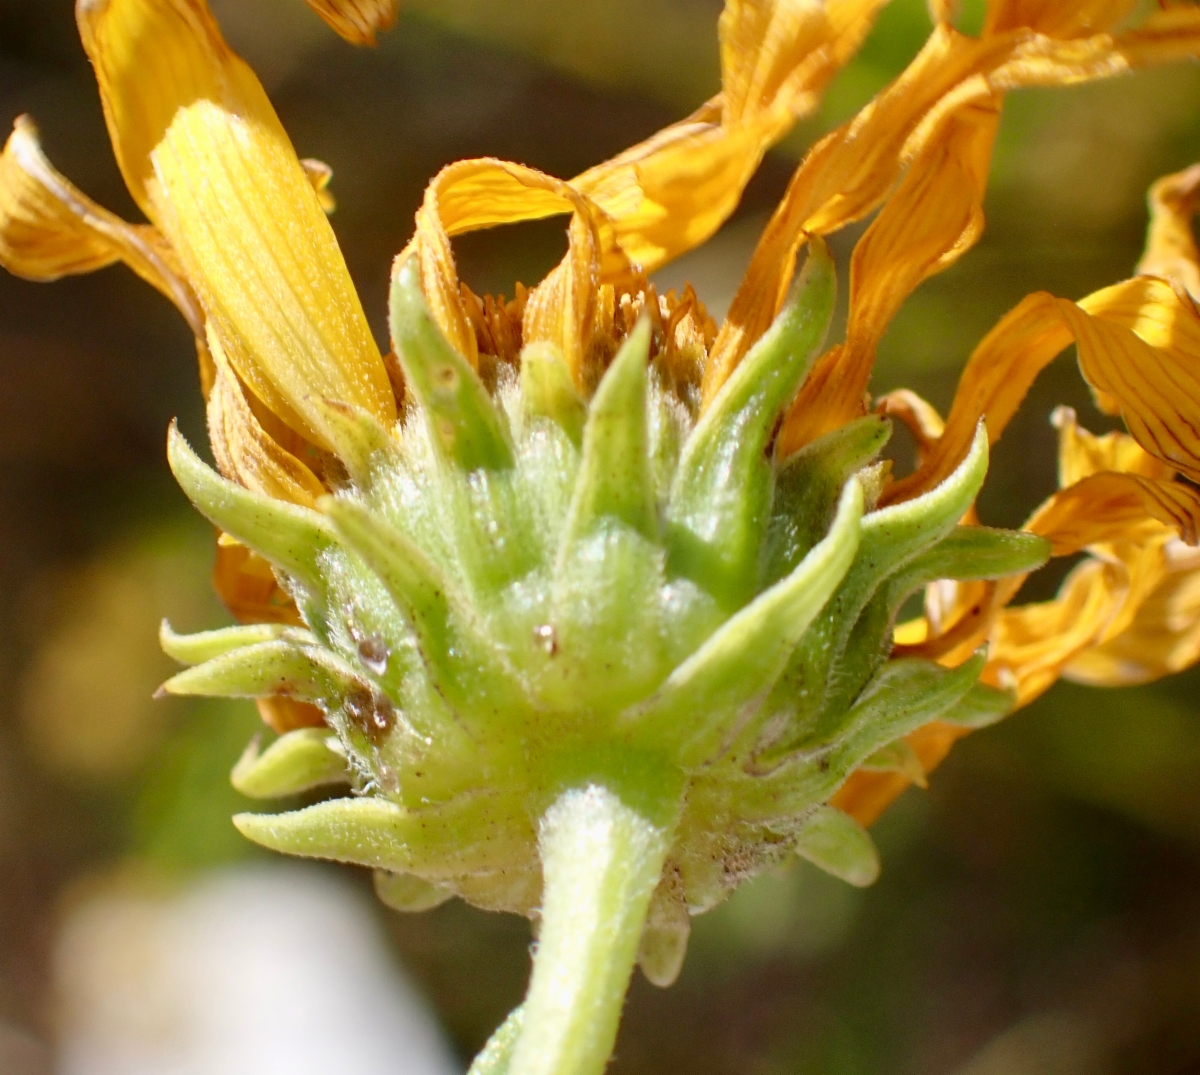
{"x": 590, "y": 602}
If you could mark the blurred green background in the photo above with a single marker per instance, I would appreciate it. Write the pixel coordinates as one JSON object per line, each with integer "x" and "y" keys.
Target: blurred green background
{"x": 1039, "y": 910}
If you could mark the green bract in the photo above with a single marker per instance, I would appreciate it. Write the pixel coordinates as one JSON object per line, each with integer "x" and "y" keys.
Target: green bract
{"x": 598, "y": 660}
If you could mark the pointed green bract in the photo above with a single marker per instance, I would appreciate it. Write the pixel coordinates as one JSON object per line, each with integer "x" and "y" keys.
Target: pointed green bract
{"x": 478, "y": 836}
{"x": 279, "y": 667}
{"x": 981, "y": 706}
{"x": 721, "y": 499}
{"x": 204, "y": 646}
{"x": 290, "y": 537}
{"x": 364, "y": 445}
{"x": 839, "y": 845}
{"x": 364, "y": 832}
{"x": 903, "y": 530}
{"x": 745, "y": 657}
{"x": 898, "y": 757}
{"x": 461, "y": 416}
{"x": 974, "y": 552}
{"x": 615, "y": 480}
{"x": 850, "y": 641}
{"x": 547, "y": 390}
{"x": 298, "y": 761}
{"x": 808, "y": 486}
{"x": 906, "y": 695}
{"x": 465, "y": 667}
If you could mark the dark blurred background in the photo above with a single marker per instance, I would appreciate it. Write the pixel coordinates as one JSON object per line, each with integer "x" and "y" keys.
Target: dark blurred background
{"x": 1039, "y": 910}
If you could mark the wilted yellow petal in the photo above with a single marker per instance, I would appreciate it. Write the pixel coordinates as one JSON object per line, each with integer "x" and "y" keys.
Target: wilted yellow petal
{"x": 995, "y": 380}
{"x": 841, "y": 179}
{"x": 1163, "y": 637}
{"x": 1170, "y": 245}
{"x": 659, "y": 198}
{"x": 247, "y": 586}
{"x": 561, "y": 309}
{"x": 1111, "y": 490}
{"x": 1154, "y": 310}
{"x": 1137, "y": 346}
{"x": 474, "y": 194}
{"x": 1056, "y": 18}
{"x": 851, "y": 170}
{"x": 1164, "y": 37}
{"x": 1123, "y": 506}
{"x": 1109, "y": 507}
{"x": 1120, "y": 616}
{"x": 1031, "y": 644}
{"x": 1157, "y": 389}
{"x": 358, "y": 21}
{"x": 243, "y": 450}
{"x": 206, "y": 157}
{"x": 50, "y": 229}
{"x": 934, "y": 216}
{"x": 920, "y": 416}
{"x": 671, "y": 192}
{"x": 1082, "y": 454}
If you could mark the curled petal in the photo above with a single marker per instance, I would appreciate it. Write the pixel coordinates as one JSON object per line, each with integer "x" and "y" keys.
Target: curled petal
{"x": 1082, "y": 454}
{"x": 1063, "y": 59}
{"x": 49, "y": 229}
{"x": 851, "y": 170}
{"x": 1170, "y": 245}
{"x": 474, "y": 194}
{"x": 1031, "y": 644}
{"x": 1163, "y": 637}
{"x": 920, "y": 417}
{"x": 1111, "y": 490}
{"x": 1108, "y": 507}
{"x": 1136, "y": 342}
{"x": 358, "y": 21}
{"x": 668, "y": 194}
{"x": 934, "y": 216}
{"x": 204, "y": 154}
{"x": 992, "y": 386}
{"x": 841, "y": 179}
{"x": 1153, "y": 310}
{"x": 657, "y": 199}
{"x": 1156, "y": 388}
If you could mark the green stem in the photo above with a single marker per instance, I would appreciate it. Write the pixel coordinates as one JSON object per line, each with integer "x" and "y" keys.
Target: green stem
{"x": 600, "y": 863}
{"x": 497, "y": 1053}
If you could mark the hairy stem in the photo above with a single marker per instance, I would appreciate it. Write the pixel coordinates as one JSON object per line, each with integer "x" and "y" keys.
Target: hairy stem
{"x": 497, "y": 1053}
{"x": 601, "y": 860}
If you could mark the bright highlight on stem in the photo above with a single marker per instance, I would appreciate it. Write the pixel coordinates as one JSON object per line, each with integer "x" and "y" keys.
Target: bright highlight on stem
{"x": 601, "y": 861}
